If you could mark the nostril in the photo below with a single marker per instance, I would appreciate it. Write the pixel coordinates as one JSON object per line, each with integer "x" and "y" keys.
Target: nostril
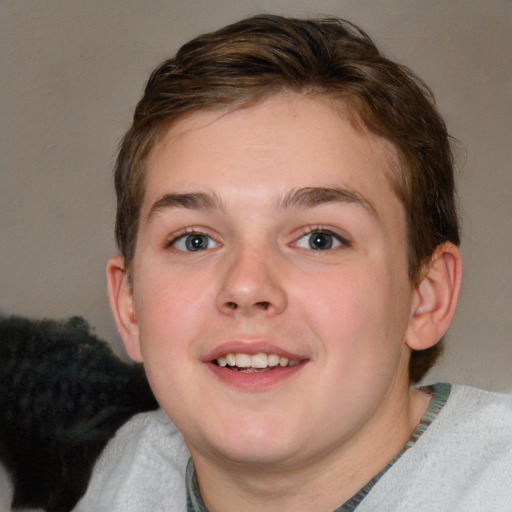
{"x": 256, "y": 306}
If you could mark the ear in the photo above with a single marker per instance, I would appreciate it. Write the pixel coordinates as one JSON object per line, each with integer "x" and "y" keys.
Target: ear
{"x": 120, "y": 295}
{"x": 435, "y": 298}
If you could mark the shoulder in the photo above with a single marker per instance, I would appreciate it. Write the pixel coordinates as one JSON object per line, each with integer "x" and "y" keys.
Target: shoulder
{"x": 142, "y": 468}
{"x": 462, "y": 460}
{"x": 471, "y": 435}
{"x": 476, "y": 413}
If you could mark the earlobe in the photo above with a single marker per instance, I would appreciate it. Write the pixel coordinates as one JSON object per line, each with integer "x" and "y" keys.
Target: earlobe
{"x": 121, "y": 302}
{"x": 435, "y": 298}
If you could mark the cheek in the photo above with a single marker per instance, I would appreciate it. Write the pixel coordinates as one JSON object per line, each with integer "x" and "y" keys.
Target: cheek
{"x": 170, "y": 311}
{"x": 170, "y": 317}
{"x": 356, "y": 312}
{"x": 339, "y": 301}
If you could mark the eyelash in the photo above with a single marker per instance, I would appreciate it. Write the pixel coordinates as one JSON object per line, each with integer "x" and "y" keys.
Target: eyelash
{"x": 182, "y": 235}
{"x": 343, "y": 242}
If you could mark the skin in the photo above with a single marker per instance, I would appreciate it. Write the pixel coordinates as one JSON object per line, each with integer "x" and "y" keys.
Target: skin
{"x": 306, "y": 439}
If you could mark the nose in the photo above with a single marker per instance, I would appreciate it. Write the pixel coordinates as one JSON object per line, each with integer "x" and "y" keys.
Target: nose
{"x": 252, "y": 284}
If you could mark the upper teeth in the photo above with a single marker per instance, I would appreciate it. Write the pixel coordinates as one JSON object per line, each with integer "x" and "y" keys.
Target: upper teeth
{"x": 260, "y": 360}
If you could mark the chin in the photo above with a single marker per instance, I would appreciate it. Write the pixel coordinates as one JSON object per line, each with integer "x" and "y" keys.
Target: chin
{"x": 258, "y": 456}
{"x": 257, "y": 444}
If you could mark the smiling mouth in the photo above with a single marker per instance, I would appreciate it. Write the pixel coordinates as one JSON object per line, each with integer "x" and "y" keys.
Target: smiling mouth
{"x": 256, "y": 363}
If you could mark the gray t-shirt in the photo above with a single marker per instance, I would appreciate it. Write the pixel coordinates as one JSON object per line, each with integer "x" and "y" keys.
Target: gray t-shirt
{"x": 462, "y": 462}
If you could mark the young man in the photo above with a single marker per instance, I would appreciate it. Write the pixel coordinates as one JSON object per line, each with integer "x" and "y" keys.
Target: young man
{"x": 288, "y": 267}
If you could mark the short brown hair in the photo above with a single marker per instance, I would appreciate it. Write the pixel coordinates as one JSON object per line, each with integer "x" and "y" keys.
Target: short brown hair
{"x": 260, "y": 56}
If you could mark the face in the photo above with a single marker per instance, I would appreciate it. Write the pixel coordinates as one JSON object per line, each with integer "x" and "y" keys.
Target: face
{"x": 271, "y": 301}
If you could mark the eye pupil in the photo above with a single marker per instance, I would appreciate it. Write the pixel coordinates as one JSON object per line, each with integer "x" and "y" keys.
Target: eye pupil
{"x": 196, "y": 242}
{"x": 319, "y": 241}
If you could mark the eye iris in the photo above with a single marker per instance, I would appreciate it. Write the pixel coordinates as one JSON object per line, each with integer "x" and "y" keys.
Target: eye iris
{"x": 196, "y": 242}
{"x": 319, "y": 241}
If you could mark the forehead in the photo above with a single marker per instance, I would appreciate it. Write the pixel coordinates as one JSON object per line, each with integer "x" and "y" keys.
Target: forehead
{"x": 288, "y": 140}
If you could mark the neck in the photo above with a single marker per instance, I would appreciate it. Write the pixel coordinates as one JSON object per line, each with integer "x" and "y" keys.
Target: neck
{"x": 322, "y": 484}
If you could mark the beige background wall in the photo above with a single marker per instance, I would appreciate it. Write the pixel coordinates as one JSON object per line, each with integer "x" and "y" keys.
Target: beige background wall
{"x": 71, "y": 72}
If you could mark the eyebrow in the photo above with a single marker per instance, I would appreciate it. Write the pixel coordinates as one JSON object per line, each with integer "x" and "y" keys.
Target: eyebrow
{"x": 301, "y": 198}
{"x": 189, "y": 200}
{"x": 309, "y": 197}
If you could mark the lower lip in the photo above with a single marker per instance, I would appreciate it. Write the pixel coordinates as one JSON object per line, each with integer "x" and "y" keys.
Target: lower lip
{"x": 257, "y": 381}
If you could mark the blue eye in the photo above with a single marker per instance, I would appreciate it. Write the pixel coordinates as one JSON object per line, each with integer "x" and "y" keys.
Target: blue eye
{"x": 194, "y": 242}
{"x": 319, "y": 241}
